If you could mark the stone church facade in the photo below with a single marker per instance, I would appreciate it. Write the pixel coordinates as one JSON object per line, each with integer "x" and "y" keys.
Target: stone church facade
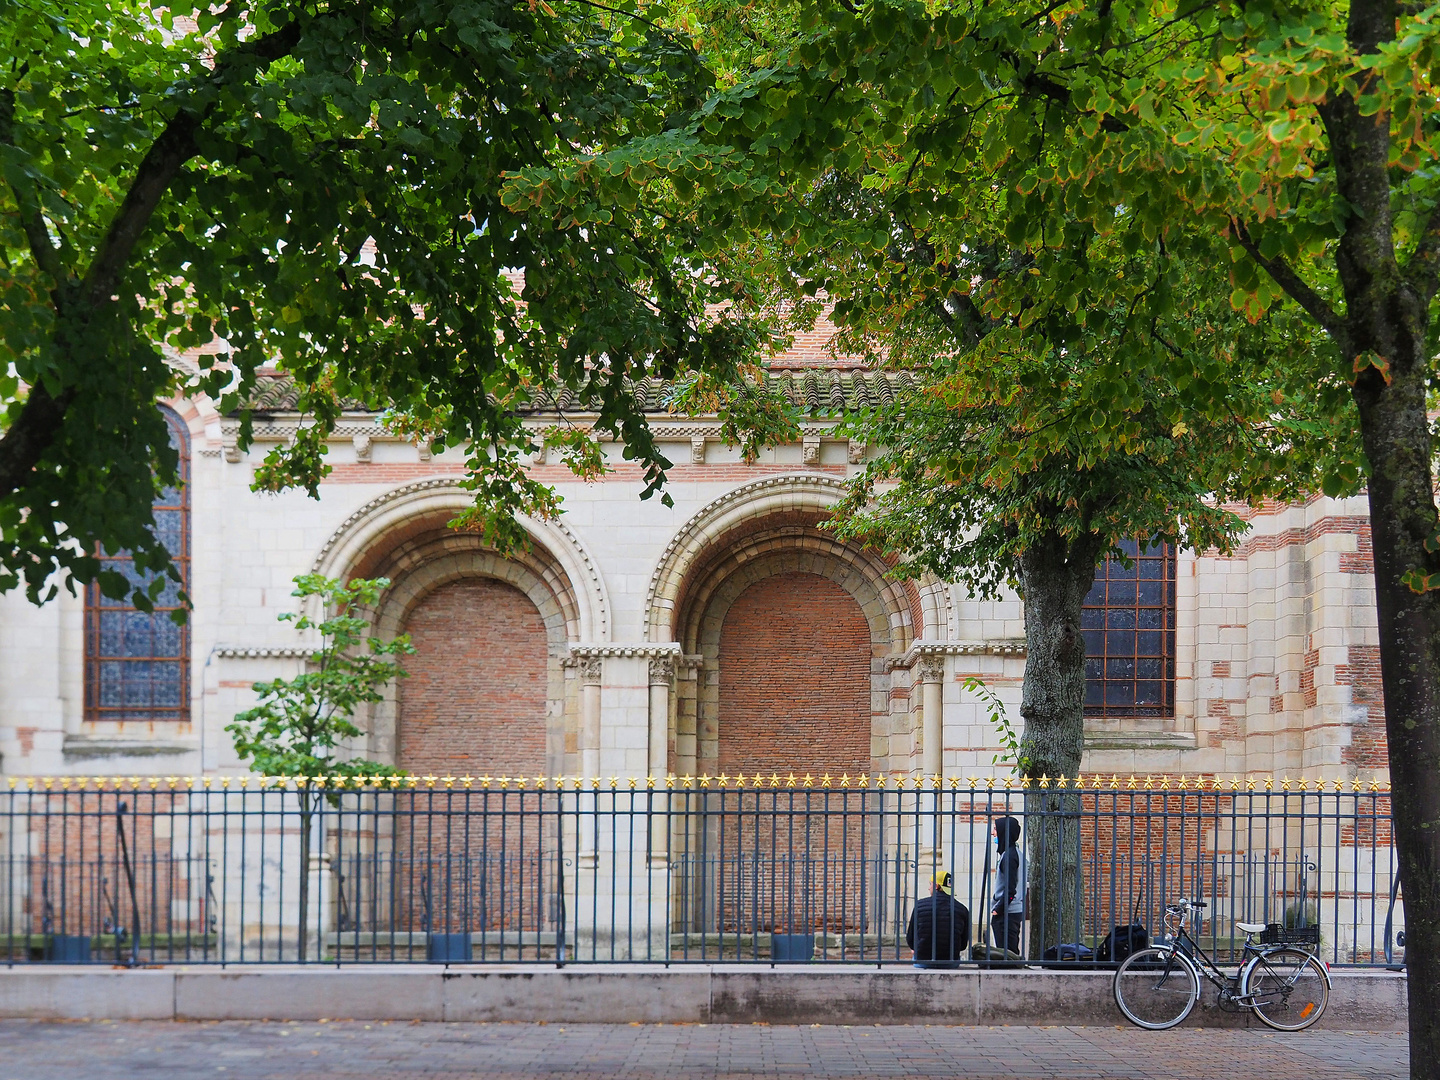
{"x": 728, "y": 634}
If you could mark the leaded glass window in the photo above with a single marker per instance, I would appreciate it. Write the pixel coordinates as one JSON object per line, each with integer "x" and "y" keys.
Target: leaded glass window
{"x": 1129, "y": 625}
{"x": 137, "y": 663}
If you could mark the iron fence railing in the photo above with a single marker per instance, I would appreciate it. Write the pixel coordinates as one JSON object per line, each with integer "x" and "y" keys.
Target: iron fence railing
{"x": 671, "y": 870}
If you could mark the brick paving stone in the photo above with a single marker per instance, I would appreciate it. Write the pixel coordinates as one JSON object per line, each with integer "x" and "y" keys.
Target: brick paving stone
{"x": 355, "y": 1050}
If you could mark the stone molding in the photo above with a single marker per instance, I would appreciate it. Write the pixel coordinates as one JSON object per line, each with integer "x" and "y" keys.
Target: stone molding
{"x": 935, "y": 651}
{"x": 265, "y": 652}
{"x": 370, "y": 521}
{"x": 282, "y": 428}
{"x": 786, "y": 491}
{"x": 634, "y": 649}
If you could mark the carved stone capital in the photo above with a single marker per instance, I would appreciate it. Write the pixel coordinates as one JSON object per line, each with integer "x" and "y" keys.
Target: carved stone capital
{"x": 662, "y": 670}
{"x": 592, "y": 670}
{"x": 931, "y": 668}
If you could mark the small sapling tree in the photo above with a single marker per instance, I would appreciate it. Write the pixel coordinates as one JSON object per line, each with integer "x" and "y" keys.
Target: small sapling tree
{"x": 299, "y": 726}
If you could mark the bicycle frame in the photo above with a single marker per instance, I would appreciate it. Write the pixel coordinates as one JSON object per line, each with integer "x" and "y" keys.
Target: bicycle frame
{"x": 1183, "y": 940}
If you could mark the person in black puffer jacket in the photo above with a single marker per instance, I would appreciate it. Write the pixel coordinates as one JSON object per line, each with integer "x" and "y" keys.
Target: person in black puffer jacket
{"x": 939, "y": 930}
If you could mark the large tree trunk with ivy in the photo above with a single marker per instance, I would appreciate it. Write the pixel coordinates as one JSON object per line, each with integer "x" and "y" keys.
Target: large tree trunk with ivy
{"x": 1055, "y": 575}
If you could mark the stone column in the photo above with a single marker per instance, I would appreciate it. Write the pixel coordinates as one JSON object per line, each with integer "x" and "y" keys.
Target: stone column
{"x": 662, "y": 680}
{"x": 931, "y": 673}
{"x": 592, "y": 669}
{"x": 932, "y": 695}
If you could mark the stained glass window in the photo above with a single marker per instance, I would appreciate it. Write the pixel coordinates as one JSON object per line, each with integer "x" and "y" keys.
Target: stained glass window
{"x": 1129, "y": 625}
{"x": 137, "y": 663}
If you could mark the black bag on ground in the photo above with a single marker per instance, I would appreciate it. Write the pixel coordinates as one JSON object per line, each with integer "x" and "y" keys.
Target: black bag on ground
{"x": 1070, "y": 950}
{"x": 991, "y": 956}
{"x": 1121, "y": 942}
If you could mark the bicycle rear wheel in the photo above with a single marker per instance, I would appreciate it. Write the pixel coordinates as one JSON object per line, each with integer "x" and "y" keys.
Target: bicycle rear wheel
{"x": 1156, "y": 988}
{"x": 1287, "y": 988}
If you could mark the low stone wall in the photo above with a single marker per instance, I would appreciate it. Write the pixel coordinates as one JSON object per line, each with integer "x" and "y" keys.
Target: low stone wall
{"x": 626, "y": 994}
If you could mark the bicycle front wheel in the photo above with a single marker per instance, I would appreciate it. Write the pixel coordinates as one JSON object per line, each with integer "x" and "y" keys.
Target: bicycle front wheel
{"x": 1287, "y": 988}
{"x": 1156, "y": 988}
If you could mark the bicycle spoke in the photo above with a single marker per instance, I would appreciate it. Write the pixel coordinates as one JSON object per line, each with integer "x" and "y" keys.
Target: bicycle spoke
{"x": 1287, "y": 989}
{"x": 1156, "y": 989}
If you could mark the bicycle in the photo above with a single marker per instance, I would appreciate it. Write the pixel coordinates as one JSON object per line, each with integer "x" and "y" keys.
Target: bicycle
{"x": 1285, "y": 986}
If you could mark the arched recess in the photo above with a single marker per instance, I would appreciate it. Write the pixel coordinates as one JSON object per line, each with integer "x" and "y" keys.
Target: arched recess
{"x": 805, "y": 494}
{"x": 786, "y": 543}
{"x": 722, "y": 560}
{"x": 390, "y": 519}
{"x": 406, "y": 538}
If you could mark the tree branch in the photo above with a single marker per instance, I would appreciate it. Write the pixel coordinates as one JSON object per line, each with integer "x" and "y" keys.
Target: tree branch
{"x": 1313, "y": 303}
{"x": 31, "y": 435}
{"x": 31, "y": 220}
{"x": 43, "y": 416}
{"x": 167, "y": 154}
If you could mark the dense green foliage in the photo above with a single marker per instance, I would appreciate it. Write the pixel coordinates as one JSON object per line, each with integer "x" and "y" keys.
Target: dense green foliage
{"x": 315, "y": 185}
{"x": 1276, "y": 156}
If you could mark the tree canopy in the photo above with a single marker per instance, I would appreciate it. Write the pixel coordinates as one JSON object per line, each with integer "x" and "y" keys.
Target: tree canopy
{"x": 1291, "y": 147}
{"x": 315, "y": 186}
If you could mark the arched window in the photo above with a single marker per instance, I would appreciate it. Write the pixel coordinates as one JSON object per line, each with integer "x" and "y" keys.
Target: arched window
{"x": 137, "y": 663}
{"x": 1129, "y": 625}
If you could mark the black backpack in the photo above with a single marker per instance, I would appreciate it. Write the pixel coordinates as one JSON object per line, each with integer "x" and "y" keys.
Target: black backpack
{"x": 1121, "y": 942}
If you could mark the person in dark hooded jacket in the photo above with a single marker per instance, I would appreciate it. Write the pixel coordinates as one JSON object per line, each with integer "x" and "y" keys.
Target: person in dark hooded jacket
{"x": 1007, "y": 906}
{"x": 939, "y": 930}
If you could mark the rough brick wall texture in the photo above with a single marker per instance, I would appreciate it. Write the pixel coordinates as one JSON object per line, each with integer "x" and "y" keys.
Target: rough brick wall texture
{"x": 474, "y": 705}
{"x": 795, "y": 679}
{"x": 1369, "y": 748}
{"x": 475, "y": 699}
{"x": 794, "y": 695}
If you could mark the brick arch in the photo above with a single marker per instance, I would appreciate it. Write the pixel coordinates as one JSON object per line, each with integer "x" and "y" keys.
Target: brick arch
{"x": 742, "y": 511}
{"x": 736, "y": 557}
{"x": 776, "y": 556}
{"x": 439, "y": 560}
{"x": 779, "y": 611}
{"x": 418, "y": 513}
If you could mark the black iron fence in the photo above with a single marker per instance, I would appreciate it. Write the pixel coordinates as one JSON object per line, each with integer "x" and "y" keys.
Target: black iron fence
{"x": 676, "y": 869}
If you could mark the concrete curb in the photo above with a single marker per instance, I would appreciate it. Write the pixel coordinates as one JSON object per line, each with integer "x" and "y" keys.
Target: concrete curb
{"x": 718, "y": 994}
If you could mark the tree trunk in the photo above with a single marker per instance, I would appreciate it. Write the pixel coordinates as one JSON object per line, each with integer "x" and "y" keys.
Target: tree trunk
{"x": 1395, "y": 430}
{"x": 1402, "y": 512}
{"x": 1055, "y": 575}
{"x": 1383, "y": 341}
{"x": 307, "y": 816}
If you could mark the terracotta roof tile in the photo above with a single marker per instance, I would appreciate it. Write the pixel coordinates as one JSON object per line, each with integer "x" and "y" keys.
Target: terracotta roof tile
{"x": 819, "y": 390}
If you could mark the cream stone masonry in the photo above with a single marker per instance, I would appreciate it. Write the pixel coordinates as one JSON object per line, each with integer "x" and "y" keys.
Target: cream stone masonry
{"x": 1276, "y": 665}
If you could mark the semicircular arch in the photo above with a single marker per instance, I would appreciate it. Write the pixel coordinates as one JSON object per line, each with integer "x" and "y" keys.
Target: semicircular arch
{"x": 372, "y": 534}
{"x": 761, "y": 498}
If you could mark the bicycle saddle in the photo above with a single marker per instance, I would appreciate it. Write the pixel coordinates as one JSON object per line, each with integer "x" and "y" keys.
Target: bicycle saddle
{"x": 1250, "y": 927}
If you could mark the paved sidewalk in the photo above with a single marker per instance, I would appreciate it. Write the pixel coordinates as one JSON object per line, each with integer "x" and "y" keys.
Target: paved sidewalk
{"x": 49, "y": 1050}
